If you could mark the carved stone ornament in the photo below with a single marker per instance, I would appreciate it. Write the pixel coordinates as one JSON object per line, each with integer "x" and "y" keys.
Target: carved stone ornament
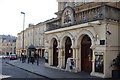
{"x": 67, "y": 16}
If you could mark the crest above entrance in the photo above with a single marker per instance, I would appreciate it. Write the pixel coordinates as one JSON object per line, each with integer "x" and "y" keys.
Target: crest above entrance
{"x": 68, "y": 16}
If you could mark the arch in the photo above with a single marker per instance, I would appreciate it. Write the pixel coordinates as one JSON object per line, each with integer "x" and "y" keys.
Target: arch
{"x": 86, "y": 54}
{"x": 51, "y": 40}
{"x": 55, "y": 53}
{"x": 66, "y": 44}
{"x": 81, "y": 34}
{"x": 68, "y": 49}
{"x": 63, "y": 38}
{"x": 78, "y": 40}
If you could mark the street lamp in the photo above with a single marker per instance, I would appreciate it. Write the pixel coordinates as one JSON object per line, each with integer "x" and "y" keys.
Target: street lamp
{"x": 23, "y": 28}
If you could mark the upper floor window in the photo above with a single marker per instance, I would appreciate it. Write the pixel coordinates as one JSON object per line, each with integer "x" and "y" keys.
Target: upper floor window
{"x": 28, "y": 34}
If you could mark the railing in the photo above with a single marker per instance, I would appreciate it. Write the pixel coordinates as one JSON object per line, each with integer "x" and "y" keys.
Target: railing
{"x": 99, "y": 13}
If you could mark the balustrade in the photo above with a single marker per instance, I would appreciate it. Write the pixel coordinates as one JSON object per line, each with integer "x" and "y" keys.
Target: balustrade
{"x": 98, "y": 13}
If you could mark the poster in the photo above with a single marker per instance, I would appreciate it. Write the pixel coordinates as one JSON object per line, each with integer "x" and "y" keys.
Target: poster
{"x": 99, "y": 62}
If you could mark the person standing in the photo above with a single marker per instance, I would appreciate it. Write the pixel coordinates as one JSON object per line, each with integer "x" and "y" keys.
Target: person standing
{"x": 22, "y": 55}
{"x": 32, "y": 58}
{"x": 46, "y": 57}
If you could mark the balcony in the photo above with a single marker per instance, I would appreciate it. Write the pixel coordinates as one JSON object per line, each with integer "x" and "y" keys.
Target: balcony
{"x": 99, "y": 13}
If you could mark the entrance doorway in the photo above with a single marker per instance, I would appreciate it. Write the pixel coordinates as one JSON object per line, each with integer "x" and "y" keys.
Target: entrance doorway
{"x": 86, "y": 54}
{"x": 68, "y": 49}
{"x": 55, "y": 53}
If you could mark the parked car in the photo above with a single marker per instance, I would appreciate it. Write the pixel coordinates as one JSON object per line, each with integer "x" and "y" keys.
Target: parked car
{"x": 3, "y": 56}
{"x": 12, "y": 56}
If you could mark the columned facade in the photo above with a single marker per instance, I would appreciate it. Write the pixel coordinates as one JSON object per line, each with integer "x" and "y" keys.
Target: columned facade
{"x": 69, "y": 46}
{"x": 87, "y": 33}
{"x": 81, "y": 44}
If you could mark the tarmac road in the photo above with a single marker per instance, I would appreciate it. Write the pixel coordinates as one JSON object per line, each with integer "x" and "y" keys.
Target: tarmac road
{"x": 9, "y": 72}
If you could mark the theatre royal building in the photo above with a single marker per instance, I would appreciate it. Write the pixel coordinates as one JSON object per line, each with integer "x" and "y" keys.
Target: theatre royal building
{"x": 88, "y": 33}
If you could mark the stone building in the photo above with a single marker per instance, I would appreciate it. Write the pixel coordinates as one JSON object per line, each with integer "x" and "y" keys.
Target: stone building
{"x": 33, "y": 35}
{"x": 7, "y": 44}
{"x": 86, "y": 32}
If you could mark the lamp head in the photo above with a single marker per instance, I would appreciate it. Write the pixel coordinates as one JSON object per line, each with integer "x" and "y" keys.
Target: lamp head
{"x": 22, "y": 13}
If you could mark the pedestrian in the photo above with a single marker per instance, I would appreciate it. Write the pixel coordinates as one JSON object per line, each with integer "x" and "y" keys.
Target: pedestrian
{"x": 46, "y": 57}
{"x": 22, "y": 55}
{"x": 32, "y": 58}
{"x": 25, "y": 58}
{"x": 37, "y": 58}
{"x": 28, "y": 59}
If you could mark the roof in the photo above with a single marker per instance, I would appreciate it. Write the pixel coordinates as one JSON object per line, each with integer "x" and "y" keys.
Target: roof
{"x": 31, "y": 47}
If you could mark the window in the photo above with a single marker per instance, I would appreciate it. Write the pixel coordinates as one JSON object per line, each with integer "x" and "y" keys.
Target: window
{"x": 14, "y": 40}
{"x": 40, "y": 42}
{"x": 28, "y": 34}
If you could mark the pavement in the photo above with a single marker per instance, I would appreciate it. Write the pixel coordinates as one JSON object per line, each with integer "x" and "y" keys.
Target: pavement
{"x": 48, "y": 72}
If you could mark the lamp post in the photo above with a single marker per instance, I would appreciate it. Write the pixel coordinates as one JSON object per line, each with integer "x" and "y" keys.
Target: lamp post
{"x": 23, "y": 28}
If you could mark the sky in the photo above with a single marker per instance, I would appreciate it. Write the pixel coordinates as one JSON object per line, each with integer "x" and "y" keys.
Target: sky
{"x": 36, "y": 11}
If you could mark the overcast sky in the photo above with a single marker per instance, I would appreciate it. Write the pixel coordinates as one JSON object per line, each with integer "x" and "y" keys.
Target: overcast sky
{"x": 11, "y": 19}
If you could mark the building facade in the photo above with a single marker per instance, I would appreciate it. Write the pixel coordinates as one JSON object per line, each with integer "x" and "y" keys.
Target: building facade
{"x": 7, "y": 44}
{"x": 33, "y": 35}
{"x": 86, "y": 32}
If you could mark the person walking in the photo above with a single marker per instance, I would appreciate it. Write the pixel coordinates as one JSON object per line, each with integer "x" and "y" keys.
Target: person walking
{"x": 37, "y": 58}
{"x": 21, "y": 57}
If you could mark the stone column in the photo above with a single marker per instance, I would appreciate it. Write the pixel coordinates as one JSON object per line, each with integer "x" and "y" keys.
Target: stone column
{"x": 93, "y": 59}
{"x": 74, "y": 53}
{"x": 74, "y": 56}
{"x": 50, "y": 60}
{"x": 62, "y": 58}
{"x": 78, "y": 62}
{"x": 59, "y": 58}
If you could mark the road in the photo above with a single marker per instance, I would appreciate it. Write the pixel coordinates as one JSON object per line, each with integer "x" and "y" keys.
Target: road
{"x": 9, "y": 71}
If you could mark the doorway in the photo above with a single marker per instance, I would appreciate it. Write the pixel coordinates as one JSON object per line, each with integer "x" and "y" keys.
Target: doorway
{"x": 86, "y": 54}
{"x": 68, "y": 49}
{"x": 55, "y": 53}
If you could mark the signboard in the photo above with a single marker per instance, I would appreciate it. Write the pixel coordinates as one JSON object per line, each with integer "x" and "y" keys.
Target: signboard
{"x": 99, "y": 62}
{"x": 70, "y": 65}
